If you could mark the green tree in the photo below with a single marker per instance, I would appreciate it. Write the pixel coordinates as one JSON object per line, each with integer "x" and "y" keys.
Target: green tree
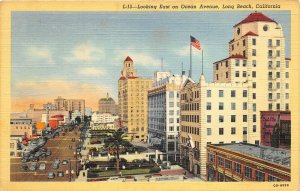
{"x": 116, "y": 142}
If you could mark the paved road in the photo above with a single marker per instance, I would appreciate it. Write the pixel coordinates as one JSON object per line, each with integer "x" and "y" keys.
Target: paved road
{"x": 59, "y": 147}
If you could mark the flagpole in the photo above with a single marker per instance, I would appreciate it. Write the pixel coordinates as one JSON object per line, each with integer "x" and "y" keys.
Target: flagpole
{"x": 202, "y": 61}
{"x": 190, "y": 74}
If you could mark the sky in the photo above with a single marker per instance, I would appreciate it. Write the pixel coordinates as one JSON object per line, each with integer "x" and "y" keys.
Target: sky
{"x": 80, "y": 54}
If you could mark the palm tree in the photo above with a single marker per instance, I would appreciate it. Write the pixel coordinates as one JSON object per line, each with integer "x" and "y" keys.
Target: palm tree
{"x": 115, "y": 142}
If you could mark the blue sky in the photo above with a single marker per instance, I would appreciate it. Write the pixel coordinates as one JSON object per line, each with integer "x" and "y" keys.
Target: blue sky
{"x": 80, "y": 54}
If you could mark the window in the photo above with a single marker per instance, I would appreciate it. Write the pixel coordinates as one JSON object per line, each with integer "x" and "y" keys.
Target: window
{"x": 287, "y": 96}
{"x": 237, "y": 74}
{"x": 277, "y": 95}
{"x": 277, "y": 64}
{"x": 254, "y": 63}
{"x": 270, "y": 53}
{"x": 226, "y": 63}
{"x": 171, "y": 94}
{"x": 171, "y": 104}
{"x": 253, "y": 52}
{"x": 232, "y": 106}
{"x": 237, "y": 62}
{"x": 277, "y": 85}
{"x": 272, "y": 178}
{"x": 244, "y": 130}
{"x": 171, "y": 120}
{"x": 171, "y": 112}
{"x": 217, "y": 67}
{"x": 278, "y": 53}
{"x": 277, "y": 42}
{"x": 208, "y": 93}
{"x": 226, "y": 74}
{"x": 253, "y": 41}
{"x": 253, "y": 95}
{"x": 244, "y": 42}
{"x": 287, "y": 75}
{"x": 270, "y": 63}
{"x": 232, "y": 93}
{"x": 254, "y": 107}
{"x": 208, "y": 117}
{"x": 254, "y": 128}
{"x": 217, "y": 76}
{"x": 221, "y": 93}
{"x": 12, "y": 145}
{"x": 287, "y": 65}
{"x": 259, "y": 176}
{"x": 270, "y": 106}
{"x": 286, "y": 106}
{"x": 208, "y": 131}
{"x": 286, "y": 86}
{"x": 244, "y": 54}
{"x": 221, "y": 106}
{"x": 245, "y": 118}
{"x": 245, "y": 93}
{"x": 248, "y": 172}
{"x": 244, "y": 74}
{"x": 220, "y": 161}
{"x": 253, "y": 84}
{"x": 270, "y": 85}
{"x": 221, "y": 131}
{"x": 237, "y": 167}
{"x": 257, "y": 142}
{"x": 254, "y": 118}
{"x": 227, "y": 164}
{"x": 269, "y": 42}
{"x": 278, "y": 106}
{"x": 221, "y": 118}
{"x": 211, "y": 157}
{"x": 232, "y": 47}
{"x": 171, "y": 146}
{"x": 208, "y": 106}
{"x": 244, "y": 63}
{"x": 233, "y": 118}
{"x": 277, "y": 74}
{"x": 233, "y": 130}
{"x": 253, "y": 74}
{"x": 244, "y": 105}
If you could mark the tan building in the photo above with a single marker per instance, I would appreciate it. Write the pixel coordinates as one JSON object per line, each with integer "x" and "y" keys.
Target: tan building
{"x": 133, "y": 104}
{"x": 21, "y": 127}
{"x": 254, "y": 78}
{"x": 70, "y": 104}
{"x": 108, "y": 105}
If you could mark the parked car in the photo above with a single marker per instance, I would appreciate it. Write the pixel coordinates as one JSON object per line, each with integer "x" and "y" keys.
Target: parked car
{"x": 51, "y": 175}
{"x": 33, "y": 166}
{"x": 48, "y": 153}
{"x": 24, "y": 167}
{"x": 60, "y": 173}
{"x": 55, "y": 165}
{"x": 65, "y": 162}
{"x": 42, "y": 166}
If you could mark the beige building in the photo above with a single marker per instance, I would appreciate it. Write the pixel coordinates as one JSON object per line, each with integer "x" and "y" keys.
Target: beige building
{"x": 21, "y": 127}
{"x": 108, "y": 105}
{"x": 133, "y": 104}
{"x": 254, "y": 78}
{"x": 70, "y": 104}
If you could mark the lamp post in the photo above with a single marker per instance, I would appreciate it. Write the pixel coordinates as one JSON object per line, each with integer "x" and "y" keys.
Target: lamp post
{"x": 69, "y": 170}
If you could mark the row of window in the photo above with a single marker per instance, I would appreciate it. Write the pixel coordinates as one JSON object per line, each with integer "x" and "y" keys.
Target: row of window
{"x": 232, "y": 118}
{"x": 270, "y": 106}
{"x": 190, "y": 118}
{"x": 192, "y": 130}
{"x": 221, "y": 106}
{"x": 17, "y": 127}
{"x": 237, "y": 168}
{"x": 190, "y": 107}
{"x": 221, "y": 93}
{"x": 221, "y": 131}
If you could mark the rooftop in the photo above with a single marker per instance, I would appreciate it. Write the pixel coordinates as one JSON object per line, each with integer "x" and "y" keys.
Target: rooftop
{"x": 128, "y": 59}
{"x": 276, "y": 155}
{"x": 254, "y": 17}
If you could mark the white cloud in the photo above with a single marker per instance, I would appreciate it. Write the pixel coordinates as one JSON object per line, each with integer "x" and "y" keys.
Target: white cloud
{"x": 86, "y": 52}
{"x": 184, "y": 51}
{"x": 139, "y": 58}
{"x": 40, "y": 53}
{"x": 91, "y": 71}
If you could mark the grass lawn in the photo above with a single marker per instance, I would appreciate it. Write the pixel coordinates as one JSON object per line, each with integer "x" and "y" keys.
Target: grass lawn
{"x": 125, "y": 172}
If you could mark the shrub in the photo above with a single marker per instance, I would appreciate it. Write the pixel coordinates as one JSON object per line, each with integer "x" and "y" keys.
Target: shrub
{"x": 155, "y": 169}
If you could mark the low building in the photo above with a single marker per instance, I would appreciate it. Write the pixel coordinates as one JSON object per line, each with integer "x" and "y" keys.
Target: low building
{"x": 247, "y": 162}
{"x": 276, "y": 129}
{"x": 103, "y": 126}
{"x": 21, "y": 127}
{"x": 103, "y": 118}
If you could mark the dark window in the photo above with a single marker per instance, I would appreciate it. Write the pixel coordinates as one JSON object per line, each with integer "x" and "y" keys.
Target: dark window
{"x": 244, "y": 118}
{"x": 237, "y": 168}
{"x": 248, "y": 172}
{"x": 259, "y": 176}
{"x": 233, "y": 131}
{"x": 221, "y": 161}
{"x": 244, "y": 93}
{"x": 227, "y": 164}
{"x": 233, "y": 118}
{"x": 232, "y": 93}
{"x": 221, "y": 131}
{"x": 253, "y": 41}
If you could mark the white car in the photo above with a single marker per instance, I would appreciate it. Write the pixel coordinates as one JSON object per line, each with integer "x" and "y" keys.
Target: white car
{"x": 42, "y": 166}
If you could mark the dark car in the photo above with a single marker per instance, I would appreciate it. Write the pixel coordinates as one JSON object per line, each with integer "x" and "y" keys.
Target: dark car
{"x": 24, "y": 167}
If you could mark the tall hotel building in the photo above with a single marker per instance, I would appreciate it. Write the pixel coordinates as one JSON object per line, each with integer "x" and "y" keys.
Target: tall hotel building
{"x": 164, "y": 113}
{"x": 254, "y": 78}
{"x": 133, "y": 101}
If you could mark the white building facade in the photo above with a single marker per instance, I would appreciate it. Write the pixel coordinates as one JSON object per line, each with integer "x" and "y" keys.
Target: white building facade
{"x": 103, "y": 117}
{"x": 164, "y": 113}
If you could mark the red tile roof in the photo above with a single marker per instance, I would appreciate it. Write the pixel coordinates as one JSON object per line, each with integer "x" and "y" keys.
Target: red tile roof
{"x": 128, "y": 59}
{"x": 231, "y": 41}
{"x": 122, "y": 78}
{"x": 132, "y": 77}
{"x": 250, "y": 33}
{"x": 256, "y": 16}
{"x": 232, "y": 56}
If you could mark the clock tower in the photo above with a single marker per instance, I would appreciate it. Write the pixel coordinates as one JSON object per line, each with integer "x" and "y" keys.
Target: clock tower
{"x": 128, "y": 69}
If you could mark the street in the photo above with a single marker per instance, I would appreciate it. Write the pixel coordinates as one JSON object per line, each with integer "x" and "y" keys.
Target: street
{"x": 63, "y": 148}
